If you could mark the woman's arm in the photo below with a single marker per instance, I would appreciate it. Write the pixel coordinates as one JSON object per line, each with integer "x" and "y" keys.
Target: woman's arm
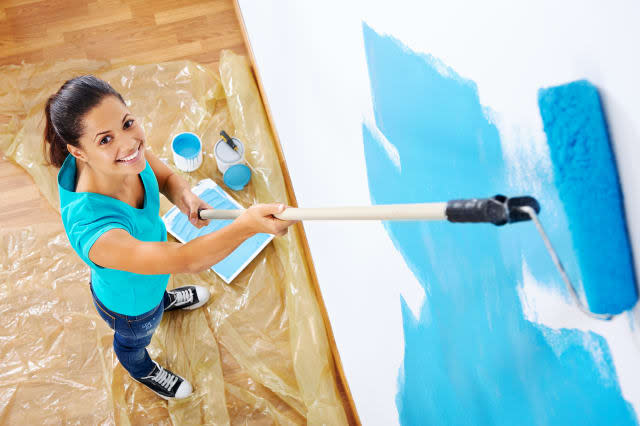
{"x": 177, "y": 190}
{"x": 117, "y": 249}
{"x": 162, "y": 172}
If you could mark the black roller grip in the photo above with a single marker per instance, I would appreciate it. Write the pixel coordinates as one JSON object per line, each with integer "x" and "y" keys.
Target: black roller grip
{"x": 498, "y": 210}
{"x": 491, "y": 210}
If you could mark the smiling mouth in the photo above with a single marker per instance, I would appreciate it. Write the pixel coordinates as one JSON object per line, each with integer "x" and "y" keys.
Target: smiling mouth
{"x": 131, "y": 159}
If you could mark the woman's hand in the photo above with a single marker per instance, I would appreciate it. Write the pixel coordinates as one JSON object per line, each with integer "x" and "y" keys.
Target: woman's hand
{"x": 260, "y": 218}
{"x": 189, "y": 203}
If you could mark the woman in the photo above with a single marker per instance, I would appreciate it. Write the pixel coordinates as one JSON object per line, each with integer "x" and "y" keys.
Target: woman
{"x": 109, "y": 188}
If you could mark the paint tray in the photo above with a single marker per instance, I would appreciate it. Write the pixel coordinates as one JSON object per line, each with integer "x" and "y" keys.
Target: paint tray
{"x": 178, "y": 225}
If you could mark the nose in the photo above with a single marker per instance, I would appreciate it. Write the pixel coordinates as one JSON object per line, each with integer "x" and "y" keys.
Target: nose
{"x": 130, "y": 143}
{"x": 128, "y": 146}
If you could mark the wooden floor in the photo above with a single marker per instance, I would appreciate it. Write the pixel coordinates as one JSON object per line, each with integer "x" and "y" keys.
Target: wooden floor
{"x": 118, "y": 30}
{"x": 132, "y": 31}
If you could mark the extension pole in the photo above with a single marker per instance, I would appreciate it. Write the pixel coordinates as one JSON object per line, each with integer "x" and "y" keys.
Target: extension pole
{"x": 498, "y": 210}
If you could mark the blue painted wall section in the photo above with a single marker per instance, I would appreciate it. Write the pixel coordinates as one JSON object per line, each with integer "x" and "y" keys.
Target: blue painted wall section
{"x": 472, "y": 358}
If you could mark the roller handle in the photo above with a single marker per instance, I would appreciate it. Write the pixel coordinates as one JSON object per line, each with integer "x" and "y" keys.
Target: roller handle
{"x": 498, "y": 210}
{"x": 430, "y": 211}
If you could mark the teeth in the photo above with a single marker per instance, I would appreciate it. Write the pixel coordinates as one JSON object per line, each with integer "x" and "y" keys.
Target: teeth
{"x": 132, "y": 156}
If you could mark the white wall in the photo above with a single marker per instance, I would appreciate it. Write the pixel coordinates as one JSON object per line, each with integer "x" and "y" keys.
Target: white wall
{"x": 311, "y": 60}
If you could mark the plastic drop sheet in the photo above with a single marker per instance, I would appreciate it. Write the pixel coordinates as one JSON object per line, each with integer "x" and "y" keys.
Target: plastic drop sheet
{"x": 257, "y": 353}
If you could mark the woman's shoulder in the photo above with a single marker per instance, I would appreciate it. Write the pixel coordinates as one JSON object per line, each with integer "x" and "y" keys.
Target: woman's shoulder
{"x": 87, "y": 210}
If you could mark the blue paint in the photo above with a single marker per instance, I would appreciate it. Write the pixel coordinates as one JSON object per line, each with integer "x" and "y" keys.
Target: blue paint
{"x": 177, "y": 223}
{"x": 471, "y": 358}
{"x": 579, "y": 141}
{"x": 186, "y": 145}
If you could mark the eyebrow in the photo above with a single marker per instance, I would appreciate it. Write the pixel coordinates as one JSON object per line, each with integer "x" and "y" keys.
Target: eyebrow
{"x": 106, "y": 131}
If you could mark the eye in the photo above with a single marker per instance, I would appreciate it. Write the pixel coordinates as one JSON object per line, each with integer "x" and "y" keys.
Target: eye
{"x": 104, "y": 139}
{"x": 128, "y": 123}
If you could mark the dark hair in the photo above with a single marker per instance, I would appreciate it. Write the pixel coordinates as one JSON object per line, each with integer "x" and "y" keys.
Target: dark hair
{"x": 65, "y": 110}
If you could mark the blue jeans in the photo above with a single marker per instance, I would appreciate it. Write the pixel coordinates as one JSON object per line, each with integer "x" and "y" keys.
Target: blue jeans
{"x": 132, "y": 334}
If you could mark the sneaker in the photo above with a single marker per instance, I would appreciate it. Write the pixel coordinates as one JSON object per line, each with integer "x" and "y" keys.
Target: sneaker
{"x": 165, "y": 383}
{"x": 187, "y": 297}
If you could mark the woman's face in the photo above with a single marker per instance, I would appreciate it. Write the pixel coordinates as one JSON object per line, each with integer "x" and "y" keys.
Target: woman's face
{"x": 113, "y": 141}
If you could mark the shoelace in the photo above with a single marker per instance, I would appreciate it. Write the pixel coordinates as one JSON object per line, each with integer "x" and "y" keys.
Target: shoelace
{"x": 183, "y": 296}
{"x": 164, "y": 378}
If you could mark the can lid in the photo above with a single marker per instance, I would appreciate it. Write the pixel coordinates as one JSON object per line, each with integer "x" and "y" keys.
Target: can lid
{"x": 237, "y": 176}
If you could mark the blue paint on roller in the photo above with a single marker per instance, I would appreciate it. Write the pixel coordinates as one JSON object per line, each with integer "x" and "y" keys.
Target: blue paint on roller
{"x": 471, "y": 358}
{"x": 587, "y": 180}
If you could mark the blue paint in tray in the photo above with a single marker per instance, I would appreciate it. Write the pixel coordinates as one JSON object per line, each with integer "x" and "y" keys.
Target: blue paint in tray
{"x": 178, "y": 225}
{"x": 472, "y": 358}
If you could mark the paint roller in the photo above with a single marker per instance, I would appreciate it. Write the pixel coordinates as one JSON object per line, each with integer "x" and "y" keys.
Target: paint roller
{"x": 498, "y": 210}
{"x": 588, "y": 185}
{"x": 586, "y": 176}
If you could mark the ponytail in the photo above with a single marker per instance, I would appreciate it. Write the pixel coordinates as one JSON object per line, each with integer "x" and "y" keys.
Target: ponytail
{"x": 57, "y": 147}
{"x": 65, "y": 110}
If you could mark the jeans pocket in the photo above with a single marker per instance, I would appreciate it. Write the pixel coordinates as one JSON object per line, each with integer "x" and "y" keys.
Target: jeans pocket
{"x": 109, "y": 319}
{"x": 145, "y": 326}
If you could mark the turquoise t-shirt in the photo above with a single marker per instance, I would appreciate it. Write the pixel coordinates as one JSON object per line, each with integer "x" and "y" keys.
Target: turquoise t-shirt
{"x": 87, "y": 215}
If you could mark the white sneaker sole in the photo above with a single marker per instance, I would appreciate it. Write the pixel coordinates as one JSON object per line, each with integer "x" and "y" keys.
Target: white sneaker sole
{"x": 203, "y": 298}
{"x": 167, "y": 398}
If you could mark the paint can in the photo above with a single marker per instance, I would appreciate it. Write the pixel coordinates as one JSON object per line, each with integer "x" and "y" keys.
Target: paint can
{"x": 227, "y": 156}
{"x": 187, "y": 151}
{"x": 236, "y": 174}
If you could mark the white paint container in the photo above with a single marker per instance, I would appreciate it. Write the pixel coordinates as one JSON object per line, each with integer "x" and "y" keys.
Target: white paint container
{"x": 227, "y": 156}
{"x": 187, "y": 151}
